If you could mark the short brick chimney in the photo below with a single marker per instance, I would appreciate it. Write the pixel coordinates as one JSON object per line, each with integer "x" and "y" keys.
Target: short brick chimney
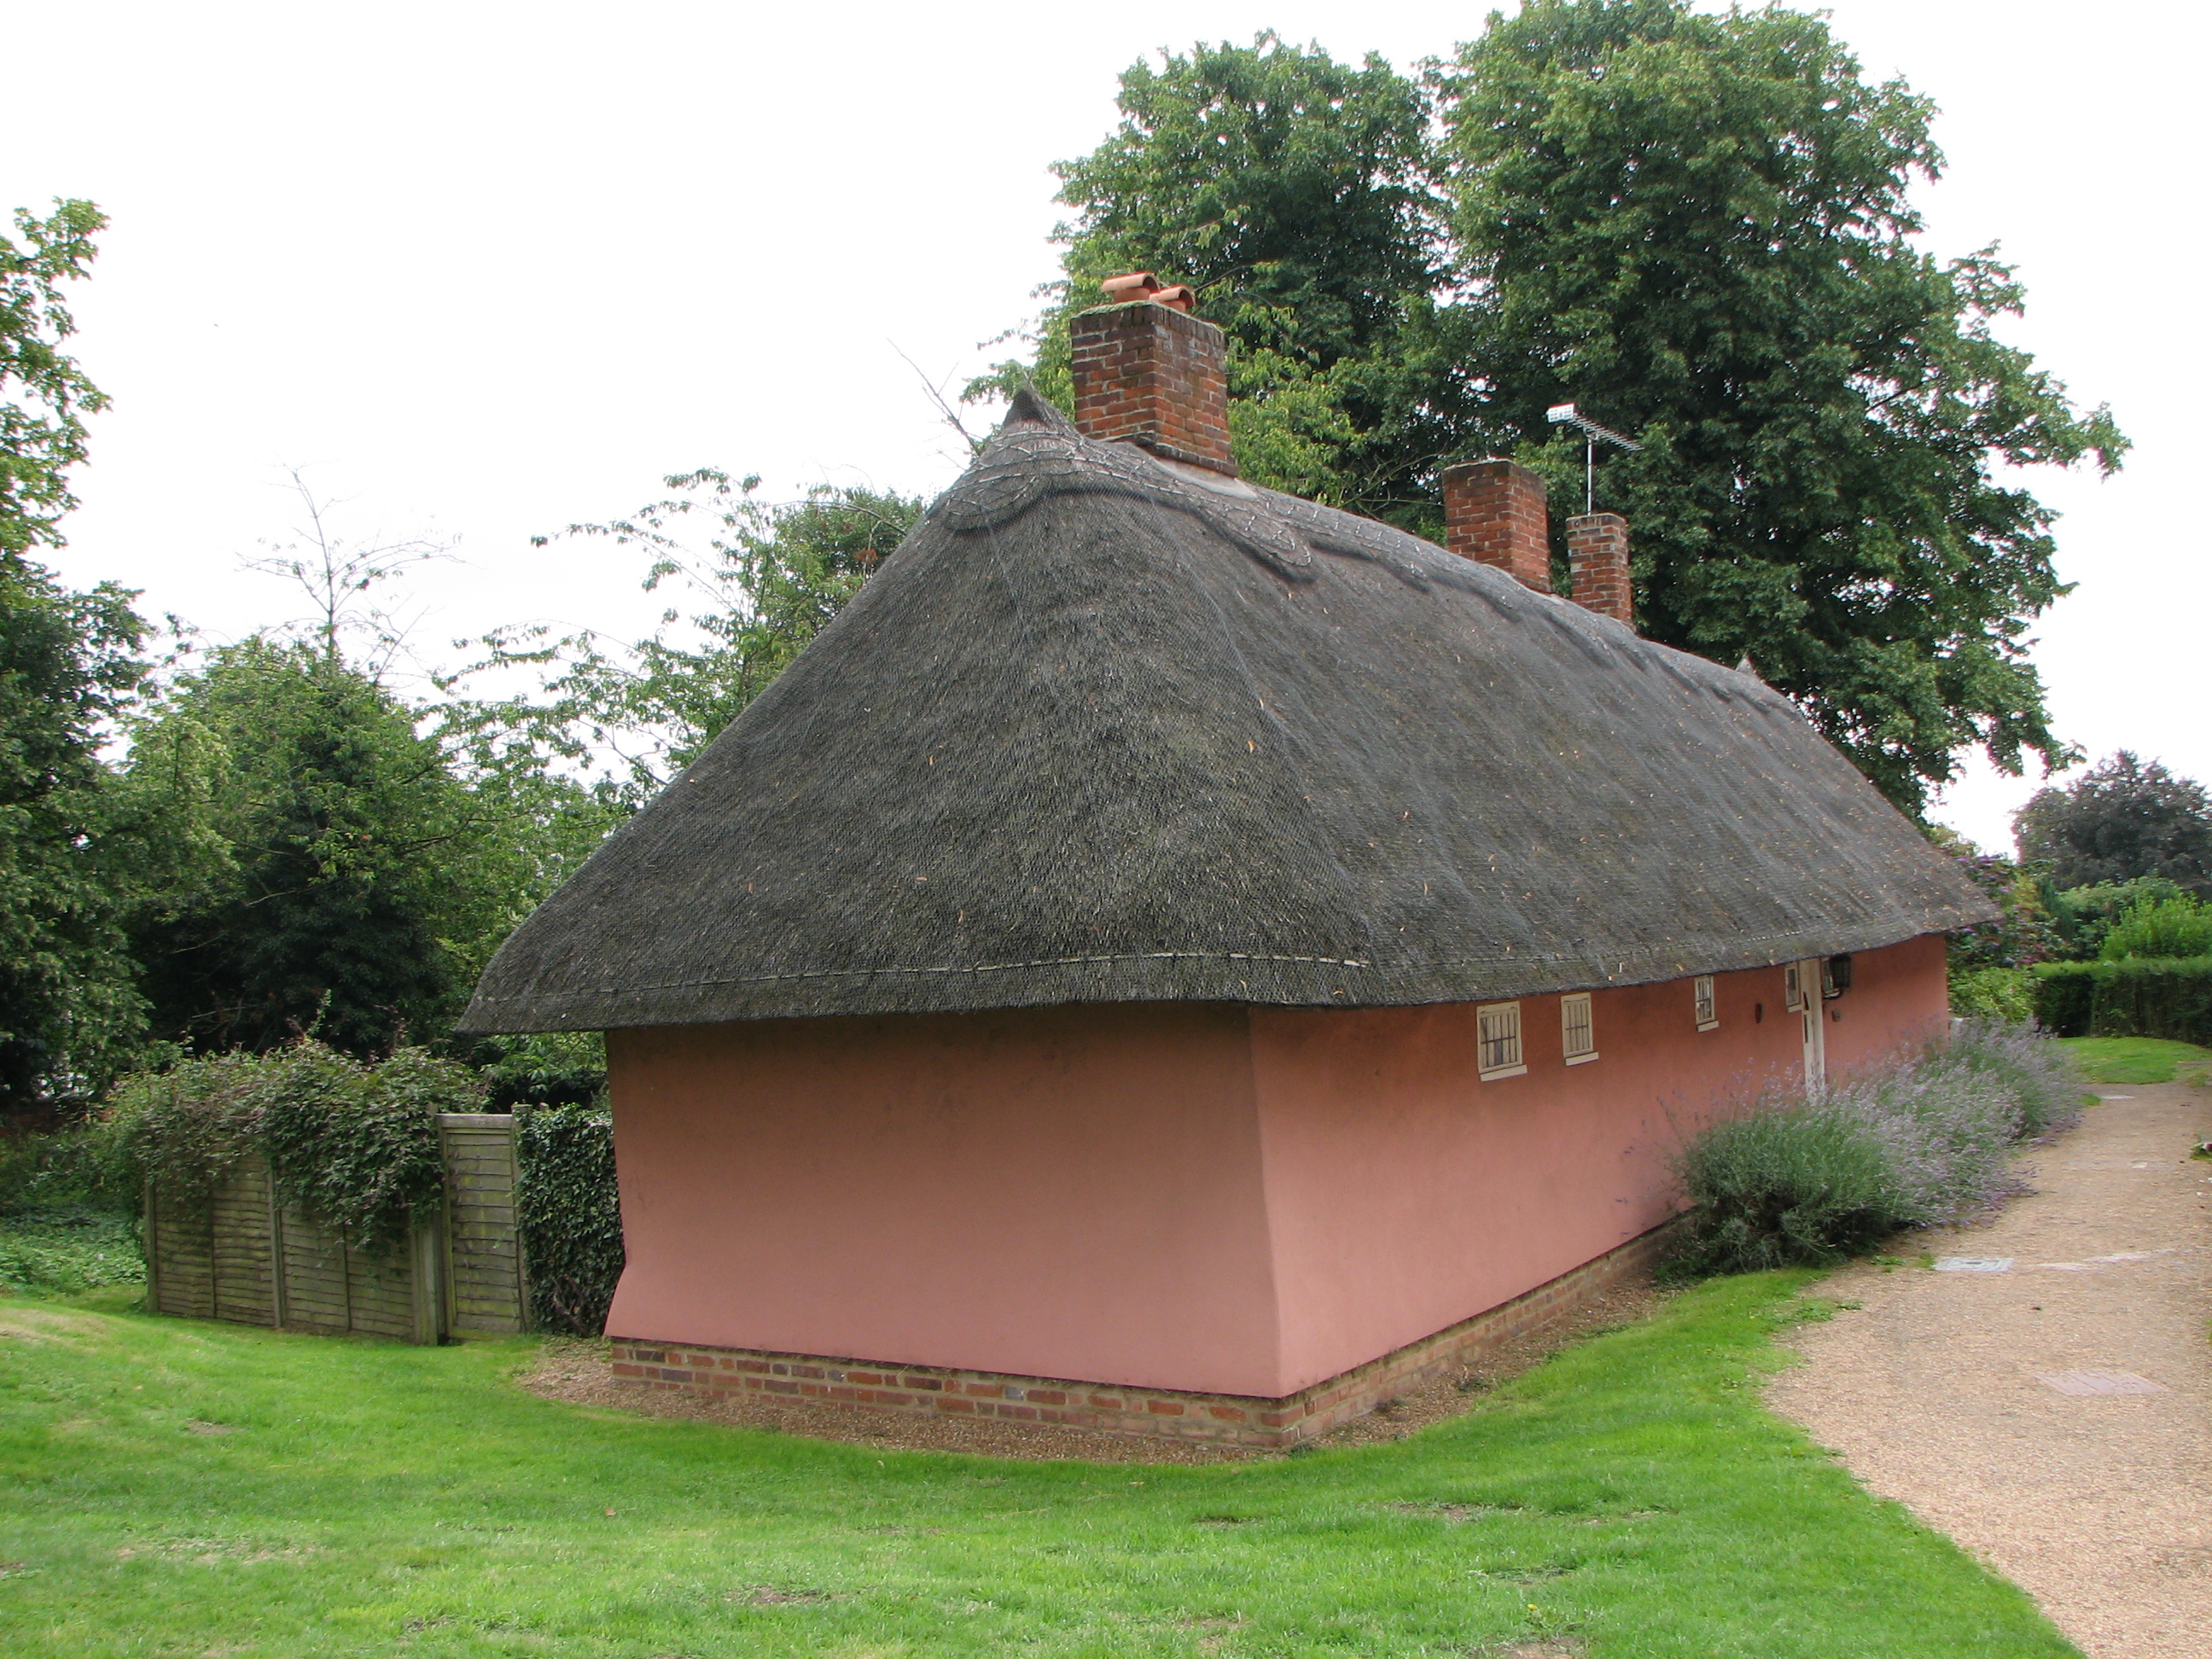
{"x": 1597, "y": 547}
{"x": 1148, "y": 372}
{"x": 1494, "y": 513}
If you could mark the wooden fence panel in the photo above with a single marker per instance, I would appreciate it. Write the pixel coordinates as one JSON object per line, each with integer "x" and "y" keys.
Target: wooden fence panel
{"x": 244, "y": 1288}
{"x": 382, "y": 1293}
{"x": 249, "y": 1261}
{"x": 180, "y": 1263}
{"x": 317, "y": 1287}
{"x": 485, "y": 1291}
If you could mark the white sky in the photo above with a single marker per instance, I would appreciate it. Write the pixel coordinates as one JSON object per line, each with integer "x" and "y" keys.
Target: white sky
{"x": 487, "y": 269}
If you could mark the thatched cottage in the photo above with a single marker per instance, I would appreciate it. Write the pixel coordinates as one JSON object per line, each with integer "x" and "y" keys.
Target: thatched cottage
{"x": 1174, "y": 957}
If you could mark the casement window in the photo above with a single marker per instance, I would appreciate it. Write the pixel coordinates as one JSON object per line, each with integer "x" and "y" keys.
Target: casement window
{"x": 1578, "y": 1037}
{"x": 1701, "y": 992}
{"x": 1793, "y": 986}
{"x": 1497, "y": 1040}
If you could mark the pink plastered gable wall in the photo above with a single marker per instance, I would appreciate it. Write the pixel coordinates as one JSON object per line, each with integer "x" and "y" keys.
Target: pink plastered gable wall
{"x": 1200, "y": 1197}
{"x": 1061, "y": 1192}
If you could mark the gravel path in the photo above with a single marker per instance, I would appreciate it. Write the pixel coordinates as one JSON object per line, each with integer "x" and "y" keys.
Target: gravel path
{"x": 2055, "y": 1416}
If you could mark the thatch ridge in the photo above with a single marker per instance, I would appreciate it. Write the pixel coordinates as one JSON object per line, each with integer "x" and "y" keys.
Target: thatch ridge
{"x": 1104, "y": 729}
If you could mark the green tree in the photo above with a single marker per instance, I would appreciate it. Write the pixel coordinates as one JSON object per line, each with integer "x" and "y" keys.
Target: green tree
{"x": 319, "y": 853}
{"x": 69, "y": 663}
{"x": 44, "y": 394}
{"x": 1295, "y": 194}
{"x": 769, "y": 578}
{"x": 1696, "y": 226}
{"x": 2123, "y": 820}
{"x": 318, "y": 828}
{"x": 68, "y": 1015}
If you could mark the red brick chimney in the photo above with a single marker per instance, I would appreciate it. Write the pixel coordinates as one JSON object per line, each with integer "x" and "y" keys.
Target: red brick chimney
{"x": 1148, "y": 372}
{"x": 1494, "y": 513}
{"x": 1597, "y": 547}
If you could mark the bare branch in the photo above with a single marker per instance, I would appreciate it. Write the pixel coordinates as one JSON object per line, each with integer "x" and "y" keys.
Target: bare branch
{"x": 335, "y": 575}
{"x": 951, "y": 417}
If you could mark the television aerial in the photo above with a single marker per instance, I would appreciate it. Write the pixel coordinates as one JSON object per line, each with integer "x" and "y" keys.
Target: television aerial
{"x": 1568, "y": 415}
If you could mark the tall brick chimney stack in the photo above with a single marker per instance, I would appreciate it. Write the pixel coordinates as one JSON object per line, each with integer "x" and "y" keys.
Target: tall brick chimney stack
{"x": 1494, "y": 513}
{"x": 1148, "y": 372}
{"x": 1597, "y": 547}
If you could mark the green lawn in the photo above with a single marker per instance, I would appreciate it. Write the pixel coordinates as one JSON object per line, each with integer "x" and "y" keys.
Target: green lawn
{"x": 2135, "y": 1059}
{"x": 169, "y": 1487}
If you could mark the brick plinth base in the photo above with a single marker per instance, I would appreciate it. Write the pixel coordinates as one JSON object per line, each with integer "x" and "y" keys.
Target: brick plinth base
{"x": 1234, "y": 1419}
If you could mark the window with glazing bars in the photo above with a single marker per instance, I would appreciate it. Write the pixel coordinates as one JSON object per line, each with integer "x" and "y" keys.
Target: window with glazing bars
{"x": 1498, "y": 1040}
{"x": 1708, "y": 1009}
{"x": 1577, "y": 1036}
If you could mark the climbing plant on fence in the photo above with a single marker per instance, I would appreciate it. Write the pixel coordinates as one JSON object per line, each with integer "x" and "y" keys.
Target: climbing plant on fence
{"x": 353, "y": 1146}
{"x": 569, "y": 1214}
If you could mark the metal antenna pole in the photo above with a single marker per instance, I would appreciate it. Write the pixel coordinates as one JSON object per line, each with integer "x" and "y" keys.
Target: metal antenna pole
{"x": 1568, "y": 415}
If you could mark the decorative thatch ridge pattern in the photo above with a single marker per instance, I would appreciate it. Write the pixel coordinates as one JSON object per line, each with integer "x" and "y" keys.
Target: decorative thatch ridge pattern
{"x": 1106, "y": 730}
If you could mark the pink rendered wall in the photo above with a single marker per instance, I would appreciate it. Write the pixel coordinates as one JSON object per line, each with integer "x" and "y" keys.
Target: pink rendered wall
{"x": 1066, "y": 1192}
{"x": 1900, "y": 998}
{"x": 1407, "y": 1194}
{"x": 1178, "y": 1196}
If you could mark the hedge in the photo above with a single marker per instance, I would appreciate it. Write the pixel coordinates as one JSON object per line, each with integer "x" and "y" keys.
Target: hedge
{"x": 569, "y": 1215}
{"x": 2136, "y": 996}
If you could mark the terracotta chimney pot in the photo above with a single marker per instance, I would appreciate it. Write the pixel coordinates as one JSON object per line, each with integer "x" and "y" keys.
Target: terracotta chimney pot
{"x": 1137, "y": 285}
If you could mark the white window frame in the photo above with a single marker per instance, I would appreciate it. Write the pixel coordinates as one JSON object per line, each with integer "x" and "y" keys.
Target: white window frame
{"x": 1706, "y": 1002}
{"x": 1567, "y": 1005}
{"x": 1500, "y": 1023}
{"x": 1793, "y": 987}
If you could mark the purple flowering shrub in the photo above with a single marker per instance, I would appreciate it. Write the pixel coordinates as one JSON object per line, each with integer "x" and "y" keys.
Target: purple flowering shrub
{"x": 1814, "y": 1176}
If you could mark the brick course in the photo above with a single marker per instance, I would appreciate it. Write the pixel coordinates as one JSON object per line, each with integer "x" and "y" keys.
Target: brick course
{"x": 1597, "y": 547}
{"x": 1496, "y": 515}
{"x": 1229, "y": 1419}
{"x": 1149, "y": 374}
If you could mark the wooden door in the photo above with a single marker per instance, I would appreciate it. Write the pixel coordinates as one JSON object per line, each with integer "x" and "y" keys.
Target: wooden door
{"x": 1801, "y": 988}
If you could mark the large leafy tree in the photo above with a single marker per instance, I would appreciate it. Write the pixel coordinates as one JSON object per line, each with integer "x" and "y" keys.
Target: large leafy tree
{"x": 1698, "y": 228}
{"x": 2124, "y": 819}
{"x": 331, "y": 859}
{"x": 321, "y": 828}
{"x": 69, "y": 662}
{"x": 1295, "y": 194}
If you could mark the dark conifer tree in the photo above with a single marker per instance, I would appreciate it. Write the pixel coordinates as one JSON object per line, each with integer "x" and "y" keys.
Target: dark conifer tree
{"x": 321, "y": 874}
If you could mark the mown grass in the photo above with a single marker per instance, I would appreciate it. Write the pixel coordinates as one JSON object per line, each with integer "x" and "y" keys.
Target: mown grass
{"x": 169, "y": 1487}
{"x": 2134, "y": 1059}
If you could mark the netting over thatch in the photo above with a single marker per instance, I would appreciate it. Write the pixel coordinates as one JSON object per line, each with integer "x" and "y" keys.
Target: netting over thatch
{"x": 1101, "y": 730}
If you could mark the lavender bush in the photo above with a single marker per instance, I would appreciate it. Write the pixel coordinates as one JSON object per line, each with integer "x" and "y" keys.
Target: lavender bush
{"x": 1801, "y": 1177}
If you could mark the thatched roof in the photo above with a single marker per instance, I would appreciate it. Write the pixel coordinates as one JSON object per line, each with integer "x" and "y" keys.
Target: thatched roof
{"x": 1102, "y": 730}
